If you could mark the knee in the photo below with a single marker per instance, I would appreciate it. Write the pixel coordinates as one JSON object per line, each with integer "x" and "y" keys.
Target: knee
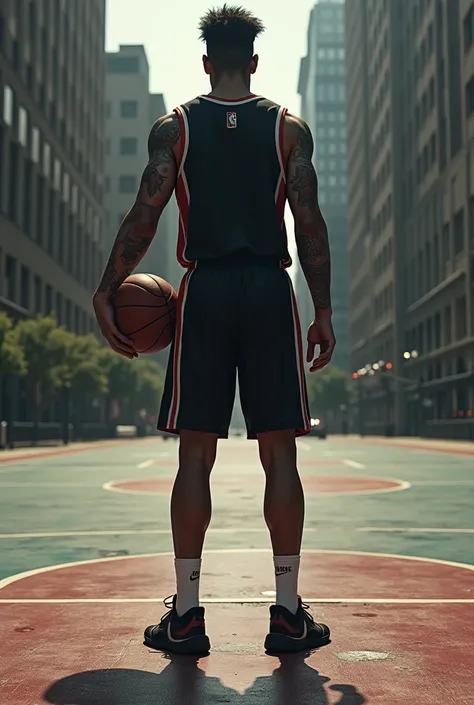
{"x": 197, "y": 451}
{"x": 277, "y": 450}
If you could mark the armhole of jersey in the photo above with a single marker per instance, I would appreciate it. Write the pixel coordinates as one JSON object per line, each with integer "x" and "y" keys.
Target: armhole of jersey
{"x": 184, "y": 139}
{"x": 279, "y": 140}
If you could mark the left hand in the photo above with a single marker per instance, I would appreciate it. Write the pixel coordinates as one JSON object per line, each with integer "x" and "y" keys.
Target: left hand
{"x": 320, "y": 333}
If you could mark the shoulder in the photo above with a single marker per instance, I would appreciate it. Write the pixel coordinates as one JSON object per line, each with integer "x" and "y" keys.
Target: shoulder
{"x": 165, "y": 132}
{"x": 297, "y": 135}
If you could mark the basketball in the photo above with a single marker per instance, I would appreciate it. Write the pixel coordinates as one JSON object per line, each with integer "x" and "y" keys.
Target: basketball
{"x": 145, "y": 311}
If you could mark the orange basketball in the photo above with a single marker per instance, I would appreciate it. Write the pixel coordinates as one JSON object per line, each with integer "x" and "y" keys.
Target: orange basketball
{"x": 145, "y": 311}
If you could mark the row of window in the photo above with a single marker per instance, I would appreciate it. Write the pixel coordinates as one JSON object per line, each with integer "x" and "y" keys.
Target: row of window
{"x": 383, "y": 217}
{"x": 323, "y": 133}
{"x": 425, "y": 51}
{"x": 127, "y": 183}
{"x": 384, "y": 259}
{"x": 331, "y": 53}
{"x": 332, "y": 198}
{"x": 325, "y": 148}
{"x": 425, "y": 106}
{"x": 382, "y": 176}
{"x": 426, "y": 160}
{"x": 126, "y": 109}
{"x": 29, "y": 292}
{"x": 382, "y": 134}
{"x": 384, "y": 302}
{"x": 331, "y": 92}
{"x": 440, "y": 330}
{"x": 331, "y": 180}
{"x": 127, "y": 146}
{"x": 40, "y": 152}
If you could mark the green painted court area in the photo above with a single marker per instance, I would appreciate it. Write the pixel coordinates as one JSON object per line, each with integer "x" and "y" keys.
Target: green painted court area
{"x": 388, "y": 556}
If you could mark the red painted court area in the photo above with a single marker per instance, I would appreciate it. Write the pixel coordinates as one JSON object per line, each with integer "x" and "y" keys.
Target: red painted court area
{"x": 313, "y": 484}
{"x": 75, "y": 633}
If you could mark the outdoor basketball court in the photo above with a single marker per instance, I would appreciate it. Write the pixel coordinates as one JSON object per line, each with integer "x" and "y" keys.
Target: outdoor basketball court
{"x": 85, "y": 561}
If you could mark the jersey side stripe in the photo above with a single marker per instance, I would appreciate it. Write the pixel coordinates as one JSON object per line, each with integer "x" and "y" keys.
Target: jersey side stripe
{"x": 280, "y": 194}
{"x": 182, "y": 189}
{"x": 176, "y": 396}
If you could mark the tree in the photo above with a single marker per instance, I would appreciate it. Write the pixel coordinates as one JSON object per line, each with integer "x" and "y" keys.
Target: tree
{"x": 135, "y": 384}
{"x": 81, "y": 365}
{"x": 12, "y": 358}
{"x": 45, "y": 348}
{"x": 328, "y": 390}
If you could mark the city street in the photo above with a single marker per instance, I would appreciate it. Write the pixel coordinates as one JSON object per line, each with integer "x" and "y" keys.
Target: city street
{"x": 85, "y": 560}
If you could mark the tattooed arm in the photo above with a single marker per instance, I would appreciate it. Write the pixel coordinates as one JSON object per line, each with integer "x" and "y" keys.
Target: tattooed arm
{"x": 139, "y": 225}
{"x": 310, "y": 228}
{"x": 311, "y": 238}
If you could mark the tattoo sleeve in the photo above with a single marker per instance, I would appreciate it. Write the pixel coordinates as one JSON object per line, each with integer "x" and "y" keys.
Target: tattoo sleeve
{"x": 310, "y": 228}
{"x": 139, "y": 226}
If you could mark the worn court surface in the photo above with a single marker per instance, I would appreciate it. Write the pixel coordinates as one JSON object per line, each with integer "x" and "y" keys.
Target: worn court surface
{"x": 85, "y": 561}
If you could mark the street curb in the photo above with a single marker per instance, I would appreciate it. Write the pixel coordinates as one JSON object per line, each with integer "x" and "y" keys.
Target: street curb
{"x": 66, "y": 451}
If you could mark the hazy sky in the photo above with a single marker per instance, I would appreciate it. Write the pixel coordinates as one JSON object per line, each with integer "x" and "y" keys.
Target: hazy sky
{"x": 168, "y": 31}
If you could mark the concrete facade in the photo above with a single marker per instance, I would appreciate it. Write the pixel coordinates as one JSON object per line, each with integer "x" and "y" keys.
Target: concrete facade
{"x": 130, "y": 112}
{"x": 322, "y": 90}
{"x": 410, "y": 78}
{"x": 51, "y": 158}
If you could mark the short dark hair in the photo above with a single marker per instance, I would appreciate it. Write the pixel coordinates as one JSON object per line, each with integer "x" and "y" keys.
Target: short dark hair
{"x": 229, "y": 32}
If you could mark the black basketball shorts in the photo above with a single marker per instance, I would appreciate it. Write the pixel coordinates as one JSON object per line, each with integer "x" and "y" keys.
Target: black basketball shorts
{"x": 236, "y": 316}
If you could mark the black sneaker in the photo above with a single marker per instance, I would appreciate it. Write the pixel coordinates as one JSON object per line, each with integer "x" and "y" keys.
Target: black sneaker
{"x": 294, "y": 632}
{"x": 179, "y": 635}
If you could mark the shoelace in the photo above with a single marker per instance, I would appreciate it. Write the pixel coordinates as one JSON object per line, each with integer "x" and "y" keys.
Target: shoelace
{"x": 307, "y": 614}
{"x": 168, "y": 602}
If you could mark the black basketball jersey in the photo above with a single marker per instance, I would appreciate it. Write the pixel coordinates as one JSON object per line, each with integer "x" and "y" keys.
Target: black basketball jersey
{"x": 231, "y": 187}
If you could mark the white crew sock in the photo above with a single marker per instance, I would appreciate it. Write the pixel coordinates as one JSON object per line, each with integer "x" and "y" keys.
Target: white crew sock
{"x": 286, "y": 579}
{"x": 188, "y": 572}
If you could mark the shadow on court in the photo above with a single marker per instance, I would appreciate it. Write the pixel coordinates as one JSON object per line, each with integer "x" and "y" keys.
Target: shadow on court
{"x": 182, "y": 682}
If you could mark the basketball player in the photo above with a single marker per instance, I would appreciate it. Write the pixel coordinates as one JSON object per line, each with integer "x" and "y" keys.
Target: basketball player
{"x": 232, "y": 158}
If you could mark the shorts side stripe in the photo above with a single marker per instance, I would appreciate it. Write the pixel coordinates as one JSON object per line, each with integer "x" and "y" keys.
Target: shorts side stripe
{"x": 299, "y": 360}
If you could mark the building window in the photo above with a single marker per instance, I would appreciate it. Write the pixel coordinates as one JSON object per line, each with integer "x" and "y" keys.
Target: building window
{"x": 49, "y": 300}
{"x": 128, "y": 145}
{"x": 57, "y": 174}
{"x": 35, "y": 145}
{"x": 123, "y": 64}
{"x": 8, "y": 105}
{"x": 128, "y": 183}
{"x": 469, "y": 29}
{"x": 38, "y": 295}
{"x": 128, "y": 108}
{"x": 46, "y": 160}
{"x": 23, "y": 127}
{"x": 470, "y": 97}
{"x": 10, "y": 278}
{"x": 25, "y": 288}
{"x": 458, "y": 232}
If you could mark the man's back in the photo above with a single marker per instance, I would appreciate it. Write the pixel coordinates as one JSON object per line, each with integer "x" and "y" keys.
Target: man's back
{"x": 232, "y": 188}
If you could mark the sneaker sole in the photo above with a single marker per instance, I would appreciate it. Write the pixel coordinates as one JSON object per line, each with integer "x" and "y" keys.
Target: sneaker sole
{"x": 281, "y": 644}
{"x": 196, "y": 646}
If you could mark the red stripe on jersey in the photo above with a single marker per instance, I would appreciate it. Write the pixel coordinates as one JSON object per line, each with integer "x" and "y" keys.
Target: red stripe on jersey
{"x": 182, "y": 193}
{"x": 281, "y": 195}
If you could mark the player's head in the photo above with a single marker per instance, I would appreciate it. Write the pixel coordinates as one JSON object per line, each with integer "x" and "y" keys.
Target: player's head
{"x": 229, "y": 32}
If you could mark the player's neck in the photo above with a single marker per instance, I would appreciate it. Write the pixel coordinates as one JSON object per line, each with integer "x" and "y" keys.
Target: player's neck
{"x": 231, "y": 88}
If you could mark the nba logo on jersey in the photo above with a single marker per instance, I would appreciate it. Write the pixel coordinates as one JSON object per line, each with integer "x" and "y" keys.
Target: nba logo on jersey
{"x": 231, "y": 121}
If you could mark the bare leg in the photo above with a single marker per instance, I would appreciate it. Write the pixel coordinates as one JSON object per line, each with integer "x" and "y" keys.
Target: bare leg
{"x": 284, "y": 498}
{"x": 191, "y": 497}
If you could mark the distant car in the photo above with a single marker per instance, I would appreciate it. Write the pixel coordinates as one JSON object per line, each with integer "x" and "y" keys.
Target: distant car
{"x": 318, "y": 428}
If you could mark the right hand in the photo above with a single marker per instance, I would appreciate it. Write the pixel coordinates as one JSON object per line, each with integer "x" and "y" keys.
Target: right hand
{"x": 104, "y": 312}
{"x": 320, "y": 333}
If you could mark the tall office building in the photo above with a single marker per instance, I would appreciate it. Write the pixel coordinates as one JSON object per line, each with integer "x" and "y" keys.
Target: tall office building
{"x": 130, "y": 112}
{"x": 410, "y": 78}
{"x": 323, "y": 105}
{"x": 51, "y": 158}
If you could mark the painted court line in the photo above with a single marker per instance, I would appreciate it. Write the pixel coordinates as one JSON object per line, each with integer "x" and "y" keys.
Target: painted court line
{"x": 353, "y": 464}
{"x": 304, "y": 446}
{"x": 241, "y": 601}
{"x": 231, "y": 531}
{"x": 146, "y": 463}
{"x": 230, "y": 551}
{"x": 399, "y": 486}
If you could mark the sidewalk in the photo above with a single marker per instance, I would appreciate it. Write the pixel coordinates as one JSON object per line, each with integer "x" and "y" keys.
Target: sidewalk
{"x": 442, "y": 445}
{"x": 38, "y": 452}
